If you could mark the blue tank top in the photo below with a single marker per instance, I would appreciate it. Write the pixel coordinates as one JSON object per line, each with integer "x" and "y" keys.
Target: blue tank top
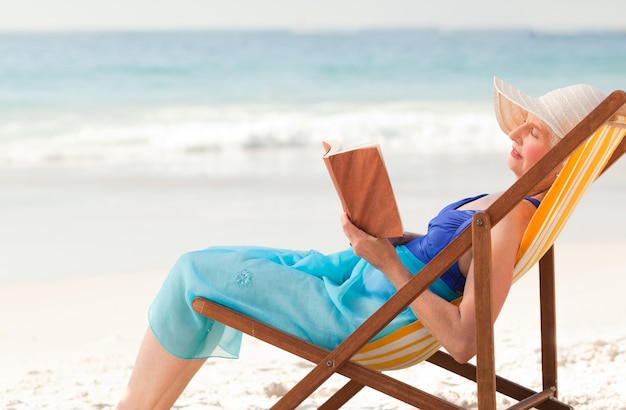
{"x": 442, "y": 229}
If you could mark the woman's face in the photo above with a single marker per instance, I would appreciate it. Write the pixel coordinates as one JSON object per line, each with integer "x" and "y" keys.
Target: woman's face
{"x": 531, "y": 141}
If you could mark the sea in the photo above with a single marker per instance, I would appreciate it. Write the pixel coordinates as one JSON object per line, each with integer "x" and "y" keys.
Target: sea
{"x": 119, "y": 151}
{"x": 174, "y": 97}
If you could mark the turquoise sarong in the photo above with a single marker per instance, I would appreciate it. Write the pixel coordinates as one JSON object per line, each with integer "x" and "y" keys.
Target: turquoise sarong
{"x": 319, "y": 298}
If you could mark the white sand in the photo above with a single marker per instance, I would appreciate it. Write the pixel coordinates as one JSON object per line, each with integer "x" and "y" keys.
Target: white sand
{"x": 70, "y": 342}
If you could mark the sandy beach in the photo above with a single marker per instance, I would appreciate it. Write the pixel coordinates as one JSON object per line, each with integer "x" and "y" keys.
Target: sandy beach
{"x": 87, "y": 248}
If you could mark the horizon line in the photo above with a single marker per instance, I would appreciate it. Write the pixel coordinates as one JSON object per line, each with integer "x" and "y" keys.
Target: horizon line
{"x": 312, "y": 31}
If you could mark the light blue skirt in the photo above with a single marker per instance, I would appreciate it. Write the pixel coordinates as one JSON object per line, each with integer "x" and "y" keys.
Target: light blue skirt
{"x": 316, "y": 297}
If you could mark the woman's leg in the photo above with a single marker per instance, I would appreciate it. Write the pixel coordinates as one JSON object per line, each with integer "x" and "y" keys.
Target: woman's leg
{"x": 158, "y": 378}
{"x": 266, "y": 284}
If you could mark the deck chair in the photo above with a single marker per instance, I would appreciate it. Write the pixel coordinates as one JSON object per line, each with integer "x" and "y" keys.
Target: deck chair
{"x": 590, "y": 148}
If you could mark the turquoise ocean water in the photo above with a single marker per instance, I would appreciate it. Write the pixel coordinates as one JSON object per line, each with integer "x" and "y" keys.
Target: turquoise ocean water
{"x": 76, "y": 97}
{"x": 120, "y": 151}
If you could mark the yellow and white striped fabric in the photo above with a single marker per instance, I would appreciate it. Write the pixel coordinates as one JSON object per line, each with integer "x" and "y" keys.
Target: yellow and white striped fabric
{"x": 412, "y": 343}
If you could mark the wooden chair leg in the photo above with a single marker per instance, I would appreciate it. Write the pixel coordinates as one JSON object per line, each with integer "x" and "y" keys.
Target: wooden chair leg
{"x": 485, "y": 356}
{"x": 547, "y": 295}
{"x": 342, "y": 396}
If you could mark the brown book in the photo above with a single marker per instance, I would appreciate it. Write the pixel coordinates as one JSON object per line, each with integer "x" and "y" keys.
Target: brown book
{"x": 362, "y": 182}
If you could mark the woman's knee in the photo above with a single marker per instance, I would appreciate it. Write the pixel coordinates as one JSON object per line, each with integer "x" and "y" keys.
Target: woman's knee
{"x": 192, "y": 263}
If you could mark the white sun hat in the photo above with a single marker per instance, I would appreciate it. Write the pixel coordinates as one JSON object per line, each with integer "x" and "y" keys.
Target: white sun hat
{"x": 560, "y": 109}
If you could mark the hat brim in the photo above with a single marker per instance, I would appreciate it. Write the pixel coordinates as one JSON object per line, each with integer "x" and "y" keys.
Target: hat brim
{"x": 560, "y": 110}
{"x": 512, "y": 106}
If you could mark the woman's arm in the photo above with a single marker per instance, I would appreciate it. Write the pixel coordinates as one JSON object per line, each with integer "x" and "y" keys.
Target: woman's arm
{"x": 454, "y": 327}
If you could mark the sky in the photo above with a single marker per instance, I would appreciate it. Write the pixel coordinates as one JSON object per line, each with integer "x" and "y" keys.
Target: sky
{"x": 310, "y": 15}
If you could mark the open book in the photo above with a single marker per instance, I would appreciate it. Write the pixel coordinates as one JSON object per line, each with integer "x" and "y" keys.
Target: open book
{"x": 362, "y": 182}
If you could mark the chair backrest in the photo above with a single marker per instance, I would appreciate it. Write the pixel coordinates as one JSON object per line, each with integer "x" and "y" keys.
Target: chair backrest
{"x": 413, "y": 343}
{"x": 577, "y": 175}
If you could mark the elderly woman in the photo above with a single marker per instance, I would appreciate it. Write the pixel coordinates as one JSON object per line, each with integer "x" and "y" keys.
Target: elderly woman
{"x": 323, "y": 298}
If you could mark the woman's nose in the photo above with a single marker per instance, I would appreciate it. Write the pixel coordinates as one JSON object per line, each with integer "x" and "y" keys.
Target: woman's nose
{"x": 515, "y": 133}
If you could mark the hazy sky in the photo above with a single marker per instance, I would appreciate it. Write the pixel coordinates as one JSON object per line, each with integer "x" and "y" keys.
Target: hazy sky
{"x": 559, "y": 15}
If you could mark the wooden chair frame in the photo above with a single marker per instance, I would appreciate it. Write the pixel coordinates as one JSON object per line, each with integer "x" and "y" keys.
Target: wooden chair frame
{"x": 478, "y": 236}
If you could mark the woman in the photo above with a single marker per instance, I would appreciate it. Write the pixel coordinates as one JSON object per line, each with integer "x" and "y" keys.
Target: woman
{"x": 323, "y": 298}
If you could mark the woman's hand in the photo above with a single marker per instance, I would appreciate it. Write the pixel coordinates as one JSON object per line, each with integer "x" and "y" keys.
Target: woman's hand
{"x": 379, "y": 252}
